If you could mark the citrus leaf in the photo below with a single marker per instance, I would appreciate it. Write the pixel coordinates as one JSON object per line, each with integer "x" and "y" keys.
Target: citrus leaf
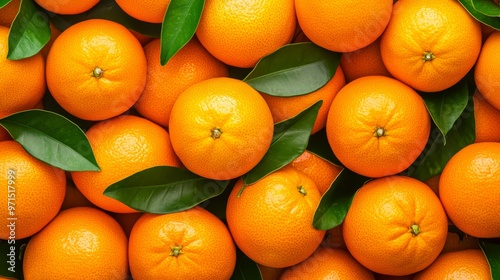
{"x": 164, "y": 189}
{"x": 335, "y": 202}
{"x": 289, "y": 141}
{"x": 318, "y": 144}
{"x": 51, "y": 138}
{"x": 493, "y": 22}
{"x": 217, "y": 205}
{"x": 179, "y": 25}
{"x": 492, "y": 252}
{"x": 29, "y": 33}
{"x": 445, "y": 107}
{"x": 245, "y": 269}
{"x": 486, "y": 7}
{"x": 294, "y": 69}
{"x": 11, "y": 259}
{"x": 4, "y": 3}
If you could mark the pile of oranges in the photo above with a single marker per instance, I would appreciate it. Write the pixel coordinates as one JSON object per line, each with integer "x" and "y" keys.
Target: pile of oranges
{"x": 193, "y": 114}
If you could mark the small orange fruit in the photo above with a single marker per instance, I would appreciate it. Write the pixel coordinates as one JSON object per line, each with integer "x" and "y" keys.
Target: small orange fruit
{"x": 54, "y": 33}
{"x": 271, "y": 220}
{"x": 377, "y": 126}
{"x": 486, "y": 117}
{"x": 96, "y": 69}
{"x": 334, "y": 238}
{"x": 9, "y": 12}
{"x": 127, "y": 220}
{"x": 80, "y": 243}
{"x": 395, "y": 225}
{"x": 65, "y": 7}
{"x": 122, "y": 146}
{"x": 74, "y": 198}
{"x": 164, "y": 84}
{"x": 468, "y": 189}
{"x": 433, "y": 183}
{"x": 486, "y": 72}
{"x": 152, "y": 11}
{"x": 390, "y": 277}
{"x": 143, "y": 39}
{"x": 270, "y": 273}
{"x": 220, "y": 128}
{"x": 192, "y": 244}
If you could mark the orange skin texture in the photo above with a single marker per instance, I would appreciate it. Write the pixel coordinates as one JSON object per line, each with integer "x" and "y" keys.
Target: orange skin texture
{"x": 486, "y": 72}
{"x": 486, "y": 117}
{"x": 377, "y": 227}
{"x": 466, "y": 264}
{"x": 164, "y": 84}
{"x": 359, "y": 24}
{"x": 438, "y": 27}
{"x": 239, "y": 33}
{"x": 73, "y": 58}
{"x": 271, "y": 221}
{"x": 24, "y": 78}
{"x": 468, "y": 189}
{"x": 270, "y": 273}
{"x": 80, "y": 243}
{"x": 334, "y": 238}
{"x": 364, "y": 106}
{"x": 284, "y": 108}
{"x": 74, "y": 198}
{"x": 122, "y": 146}
{"x": 66, "y": 7}
{"x": 207, "y": 250}
{"x": 36, "y": 184}
{"x": 127, "y": 220}
{"x": 237, "y": 111}
{"x": 151, "y": 11}
{"x": 9, "y": 12}
{"x": 328, "y": 263}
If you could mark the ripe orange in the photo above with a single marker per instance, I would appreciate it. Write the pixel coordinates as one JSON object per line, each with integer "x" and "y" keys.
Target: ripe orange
{"x": 419, "y": 45}
{"x": 395, "y": 225}
{"x": 192, "y": 244}
{"x": 9, "y": 12}
{"x": 127, "y": 220}
{"x": 390, "y": 277}
{"x": 456, "y": 242}
{"x": 284, "y": 108}
{"x": 467, "y": 264}
{"x": 334, "y": 238}
{"x": 143, "y": 39}
{"x": 4, "y": 135}
{"x": 377, "y": 126}
{"x": 96, "y": 69}
{"x": 271, "y": 220}
{"x": 220, "y": 128}
{"x": 65, "y": 7}
{"x": 122, "y": 146}
{"x": 270, "y": 273}
{"x": 343, "y": 26}
{"x": 151, "y": 11}
{"x": 164, "y": 84}
{"x": 74, "y": 198}
{"x": 486, "y": 117}
{"x": 468, "y": 189}
{"x": 54, "y": 33}
{"x": 33, "y": 191}
{"x": 486, "y": 72}
{"x": 239, "y": 33}
{"x": 24, "y": 79}
{"x": 328, "y": 263}
{"x": 80, "y": 243}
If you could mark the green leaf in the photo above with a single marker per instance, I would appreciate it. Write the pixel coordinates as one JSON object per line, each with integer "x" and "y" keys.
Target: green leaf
{"x": 217, "y": 205}
{"x": 11, "y": 259}
{"x": 164, "y": 189}
{"x": 52, "y": 139}
{"x": 493, "y": 22}
{"x": 492, "y": 252}
{"x": 289, "y": 141}
{"x": 318, "y": 144}
{"x": 245, "y": 269}
{"x": 486, "y": 7}
{"x": 179, "y": 25}
{"x": 294, "y": 69}
{"x": 334, "y": 204}
{"x": 445, "y": 107}
{"x": 29, "y": 33}
{"x": 4, "y": 3}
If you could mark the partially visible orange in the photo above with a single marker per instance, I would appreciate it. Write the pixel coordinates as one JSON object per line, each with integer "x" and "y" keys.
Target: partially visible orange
{"x": 486, "y": 72}
{"x": 151, "y": 11}
{"x": 9, "y": 12}
{"x": 74, "y": 198}
{"x": 457, "y": 241}
{"x": 486, "y": 118}
{"x": 127, "y": 220}
{"x": 433, "y": 183}
{"x": 334, "y": 238}
{"x": 4, "y": 135}
{"x": 270, "y": 273}
{"x": 65, "y": 7}
{"x": 390, "y": 277}
{"x": 143, "y": 39}
{"x": 54, "y": 33}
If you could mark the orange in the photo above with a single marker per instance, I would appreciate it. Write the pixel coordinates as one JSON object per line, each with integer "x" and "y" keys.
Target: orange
{"x": 395, "y": 225}
{"x": 467, "y": 264}
{"x": 486, "y": 71}
{"x": 220, "y": 128}
{"x": 4, "y": 135}
{"x": 122, "y": 146}
{"x": 192, "y": 244}
{"x": 377, "y": 126}
{"x": 9, "y": 12}
{"x": 143, "y": 39}
{"x": 65, "y": 7}
{"x": 24, "y": 78}
{"x": 334, "y": 238}
{"x": 486, "y": 117}
{"x": 343, "y": 26}
{"x": 284, "y": 108}
{"x": 469, "y": 191}
{"x": 321, "y": 171}
{"x": 152, "y": 11}
{"x": 80, "y": 243}
{"x": 164, "y": 84}
{"x": 96, "y": 69}
{"x": 127, "y": 220}
{"x": 366, "y": 61}
{"x": 54, "y": 33}
{"x": 33, "y": 191}
{"x": 390, "y": 277}
{"x": 458, "y": 242}
{"x": 74, "y": 198}
{"x": 486, "y": 31}
{"x": 239, "y": 33}
{"x": 271, "y": 220}
{"x": 328, "y": 263}
{"x": 433, "y": 183}
{"x": 419, "y": 45}
{"x": 270, "y": 273}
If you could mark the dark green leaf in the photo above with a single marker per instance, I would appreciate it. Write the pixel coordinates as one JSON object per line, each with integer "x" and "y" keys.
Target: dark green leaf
{"x": 318, "y": 144}
{"x": 164, "y": 189}
{"x": 30, "y": 31}
{"x": 493, "y": 22}
{"x": 238, "y": 73}
{"x": 4, "y": 3}
{"x": 445, "y": 107}
{"x": 334, "y": 204}
{"x": 294, "y": 69}
{"x": 492, "y": 252}
{"x": 11, "y": 258}
{"x": 52, "y": 139}
{"x": 179, "y": 25}
{"x": 245, "y": 269}
{"x": 289, "y": 141}
{"x": 486, "y": 7}
{"x": 217, "y": 205}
